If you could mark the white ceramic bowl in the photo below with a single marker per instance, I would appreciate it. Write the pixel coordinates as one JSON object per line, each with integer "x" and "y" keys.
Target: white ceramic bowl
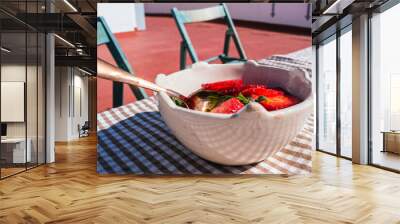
{"x": 248, "y": 136}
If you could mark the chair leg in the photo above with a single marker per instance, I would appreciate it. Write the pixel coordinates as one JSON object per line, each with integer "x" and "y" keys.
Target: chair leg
{"x": 118, "y": 90}
{"x": 183, "y": 56}
{"x": 235, "y": 35}
{"x": 239, "y": 47}
{"x": 227, "y": 41}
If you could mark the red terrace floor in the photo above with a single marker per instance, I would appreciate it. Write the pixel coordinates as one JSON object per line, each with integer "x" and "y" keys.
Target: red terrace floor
{"x": 156, "y": 50}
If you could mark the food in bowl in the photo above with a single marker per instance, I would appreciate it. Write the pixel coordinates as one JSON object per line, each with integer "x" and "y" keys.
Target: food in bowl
{"x": 230, "y": 96}
{"x": 249, "y": 135}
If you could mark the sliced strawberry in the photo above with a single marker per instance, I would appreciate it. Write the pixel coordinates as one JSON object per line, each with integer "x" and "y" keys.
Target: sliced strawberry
{"x": 279, "y": 102}
{"x": 248, "y": 86}
{"x": 229, "y": 106}
{"x": 261, "y": 91}
{"x": 254, "y": 96}
{"x": 227, "y": 86}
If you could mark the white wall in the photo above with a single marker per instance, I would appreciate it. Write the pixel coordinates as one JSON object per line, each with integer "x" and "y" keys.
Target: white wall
{"x": 69, "y": 82}
{"x": 291, "y": 14}
{"x": 62, "y": 77}
{"x": 79, "y": 117}
{"x": 17, "y": 73}
{"x": 12, "y": 101}
{"x": 122, "y": 17}
{"x": 33, "y": 126}
{"x": 360, "y": 90}
{"x": 14, "y": 72}
{"x": 50, "y": 93}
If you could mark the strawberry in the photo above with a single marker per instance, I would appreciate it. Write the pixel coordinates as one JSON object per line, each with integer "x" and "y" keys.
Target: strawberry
{"x": 248, "y": 86}
{"x": 262, "y": 91}
{"x": 254, "y": 96}
{"x": 229, "y": 106}
{"x": 227, "y": 86}
{"x": 279, "y": 102}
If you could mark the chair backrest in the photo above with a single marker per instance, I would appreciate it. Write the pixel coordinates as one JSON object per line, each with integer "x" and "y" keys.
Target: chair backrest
{"x": 105, "y": 36}
{"x": 202, "y": 15}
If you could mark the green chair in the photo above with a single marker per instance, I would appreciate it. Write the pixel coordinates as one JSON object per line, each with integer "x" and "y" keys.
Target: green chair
{"x": 202, "y": 15}
{"x": 105, "y": 36}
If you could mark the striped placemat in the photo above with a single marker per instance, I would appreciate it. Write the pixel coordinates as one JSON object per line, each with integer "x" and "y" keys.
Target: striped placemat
{"x": 133, "y": 139}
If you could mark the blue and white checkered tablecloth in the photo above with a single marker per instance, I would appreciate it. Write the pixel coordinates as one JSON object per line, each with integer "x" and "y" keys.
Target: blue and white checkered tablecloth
{"x": 133, "y": 139}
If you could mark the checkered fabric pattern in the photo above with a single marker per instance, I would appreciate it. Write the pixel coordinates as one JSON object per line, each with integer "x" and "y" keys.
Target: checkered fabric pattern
{"x": 133, "y": 139}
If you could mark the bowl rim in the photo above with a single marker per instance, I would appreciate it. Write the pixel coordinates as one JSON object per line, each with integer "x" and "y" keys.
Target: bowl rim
{"x": 251, "y": 107}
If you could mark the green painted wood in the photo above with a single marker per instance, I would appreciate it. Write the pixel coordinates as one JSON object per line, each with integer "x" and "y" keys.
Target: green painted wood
{"x": 102, "y": 37}
{"x": 187, "y": 43}
{"x": 227, "y": 41}
{"x": 235, "y": 35}
{"x": 201, "y": 15}
{"x": 212, "y": 58}
{"x": 105, "y": 36}
{"x": 182, "y": 60}
{"x": 226, "y": 59}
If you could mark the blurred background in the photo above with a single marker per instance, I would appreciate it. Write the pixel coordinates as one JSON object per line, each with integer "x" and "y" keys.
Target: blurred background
{"x": 149, "y": 37}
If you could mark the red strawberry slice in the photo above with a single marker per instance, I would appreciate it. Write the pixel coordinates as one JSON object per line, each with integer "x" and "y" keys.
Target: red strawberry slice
{"x": 248, "y": 86}
{"x": 261, "y": 91}
{"x": 279, "y": 102}
{"x": 229, "y": 106}
{"x": 227, "y": 86}
{"x": 253, "y": 96}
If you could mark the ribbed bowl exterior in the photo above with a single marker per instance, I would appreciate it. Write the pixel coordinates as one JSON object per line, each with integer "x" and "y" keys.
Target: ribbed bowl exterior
{"x": 251, "y": 135}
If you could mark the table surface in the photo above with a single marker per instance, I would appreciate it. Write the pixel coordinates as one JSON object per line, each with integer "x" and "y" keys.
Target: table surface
{"x": 13, "y": 140}
{"x": 390, "y": 132}
{"x": 133, "y": 139}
